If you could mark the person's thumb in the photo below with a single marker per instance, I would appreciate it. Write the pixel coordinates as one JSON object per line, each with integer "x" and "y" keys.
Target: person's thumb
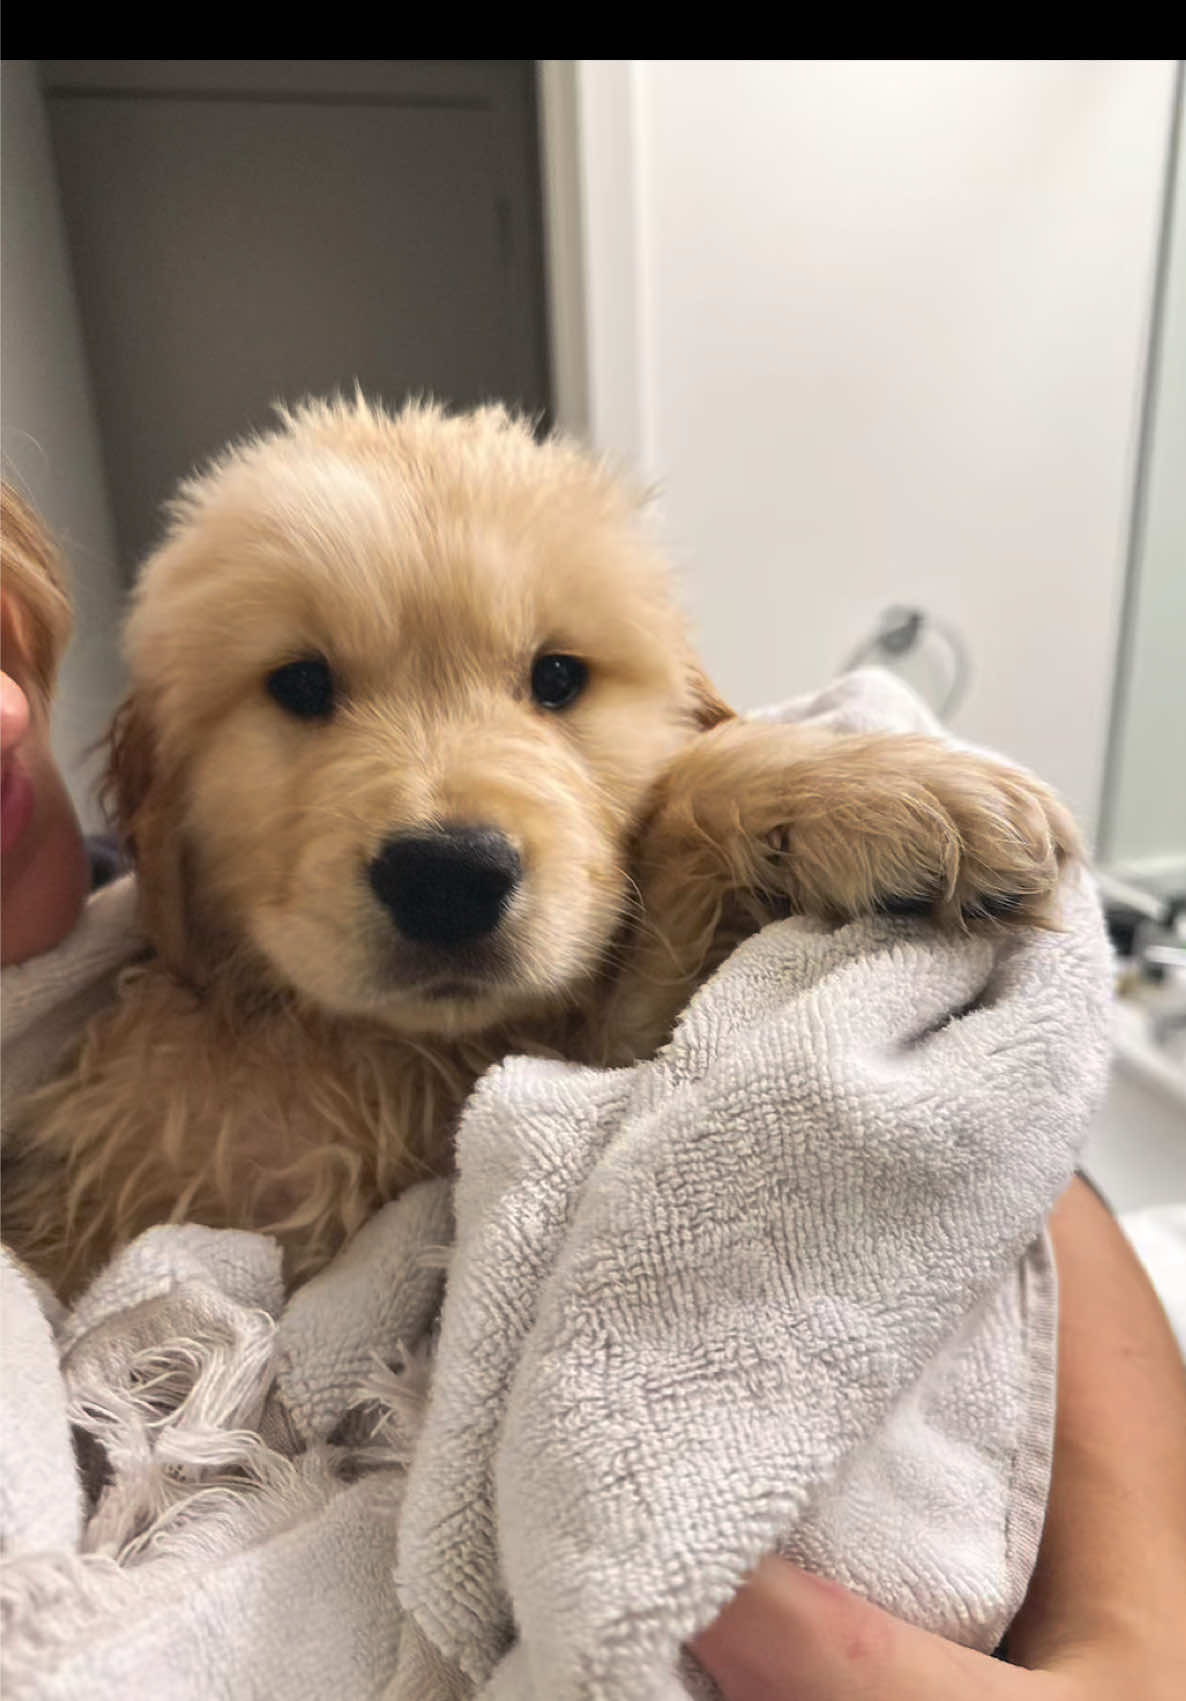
{"x": 788, "y": 1636}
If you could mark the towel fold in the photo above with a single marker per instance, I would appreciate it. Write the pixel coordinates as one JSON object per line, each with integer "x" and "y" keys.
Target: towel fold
{"x": 784, "y": 1286}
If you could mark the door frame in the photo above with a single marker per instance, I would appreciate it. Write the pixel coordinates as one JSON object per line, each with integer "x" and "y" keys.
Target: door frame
{"x": 595, "y": 253}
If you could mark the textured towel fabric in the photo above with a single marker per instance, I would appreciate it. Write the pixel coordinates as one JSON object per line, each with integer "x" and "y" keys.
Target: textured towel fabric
{"x": 376, "y": 1301}
{"x": 48, "y": 1001}
{"x": 229, "y": 1548}
{"x": 771, "y": 1289}
{"x": 781, "y": 1286}
{"x": 40, "y": 1496}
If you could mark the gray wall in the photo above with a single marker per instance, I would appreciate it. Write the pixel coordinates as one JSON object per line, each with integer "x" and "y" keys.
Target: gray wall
{"x": 50, "y": 443}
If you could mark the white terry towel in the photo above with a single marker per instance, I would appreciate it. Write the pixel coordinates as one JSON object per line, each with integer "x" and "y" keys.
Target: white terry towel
{"x": 773, "y": 1287}
{"x": 48, "y": 1001}
{"x": 782, "y": 1287}
{"x": 224, "y": 1548}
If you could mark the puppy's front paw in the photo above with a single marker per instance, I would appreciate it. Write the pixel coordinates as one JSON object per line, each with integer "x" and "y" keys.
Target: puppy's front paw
{"x": 841, "y": 826}
{"x": 1014, "y": 840}
{"x": 912, "y": 827}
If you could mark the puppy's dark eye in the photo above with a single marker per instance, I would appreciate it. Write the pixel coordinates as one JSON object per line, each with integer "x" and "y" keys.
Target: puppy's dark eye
{"x": 304, "y": 688}
{"x": 557, "y": 681}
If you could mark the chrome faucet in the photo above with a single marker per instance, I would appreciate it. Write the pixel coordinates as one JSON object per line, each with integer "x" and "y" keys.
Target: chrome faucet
{"x": 1148, "y": 931}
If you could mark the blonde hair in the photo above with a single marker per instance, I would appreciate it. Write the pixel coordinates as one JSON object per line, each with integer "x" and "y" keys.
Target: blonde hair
{"x": 34, "y": 587}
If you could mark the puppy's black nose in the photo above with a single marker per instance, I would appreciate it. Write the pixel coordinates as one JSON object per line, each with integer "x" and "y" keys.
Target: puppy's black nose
{"x": 446, "y": 887}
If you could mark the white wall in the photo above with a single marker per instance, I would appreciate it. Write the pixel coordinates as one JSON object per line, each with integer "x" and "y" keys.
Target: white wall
{"x": 889, "y": 330}
{"x": 1149, "y": 801}
{"x": 50, "y": 441}
{"x": 878, "y": 329}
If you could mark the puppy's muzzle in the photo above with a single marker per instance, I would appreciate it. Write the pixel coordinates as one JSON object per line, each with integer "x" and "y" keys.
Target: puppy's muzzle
{"x": 446, "y": 887}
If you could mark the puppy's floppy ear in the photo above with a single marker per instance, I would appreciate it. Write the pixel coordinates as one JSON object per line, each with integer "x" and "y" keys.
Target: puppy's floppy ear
{"x": 144, "y": 800}
{"x": 709, "y": 708}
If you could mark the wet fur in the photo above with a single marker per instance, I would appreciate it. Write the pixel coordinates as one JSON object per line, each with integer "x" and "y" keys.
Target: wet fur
{"x": 281, "y": 1062}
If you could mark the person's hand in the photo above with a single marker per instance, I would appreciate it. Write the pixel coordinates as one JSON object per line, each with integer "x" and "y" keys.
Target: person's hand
{"x": 788, "y": 1636}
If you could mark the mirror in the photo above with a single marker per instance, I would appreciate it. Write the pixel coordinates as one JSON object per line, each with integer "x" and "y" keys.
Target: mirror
{"x": 1143, "y": 818}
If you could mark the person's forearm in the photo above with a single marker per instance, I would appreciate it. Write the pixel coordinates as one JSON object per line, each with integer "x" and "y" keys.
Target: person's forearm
{"x": 1103, "y": 1618}
{"x": 1111, "y": 1571}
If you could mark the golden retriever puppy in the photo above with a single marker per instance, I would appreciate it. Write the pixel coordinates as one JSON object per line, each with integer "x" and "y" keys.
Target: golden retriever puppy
{"x": 419, "y": 769}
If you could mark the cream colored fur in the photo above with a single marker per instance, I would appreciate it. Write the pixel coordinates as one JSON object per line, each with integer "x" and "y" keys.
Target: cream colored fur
{"x": 287, "y": 1060}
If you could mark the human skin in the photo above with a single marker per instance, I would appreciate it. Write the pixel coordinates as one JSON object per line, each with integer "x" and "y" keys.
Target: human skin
{"x": 44, "y": 872}
{"x": 1103, "y": 1618}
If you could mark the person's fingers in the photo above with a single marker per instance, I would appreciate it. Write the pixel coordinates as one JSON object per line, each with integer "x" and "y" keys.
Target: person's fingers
{"x": 788, "y": 1636}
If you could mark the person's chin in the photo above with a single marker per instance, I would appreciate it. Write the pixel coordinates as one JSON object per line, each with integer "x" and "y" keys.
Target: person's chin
{"x": 18, "y": 804}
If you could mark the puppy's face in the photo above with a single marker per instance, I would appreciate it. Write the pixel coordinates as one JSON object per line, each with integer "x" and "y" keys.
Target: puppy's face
{"x": 400, "y": 690}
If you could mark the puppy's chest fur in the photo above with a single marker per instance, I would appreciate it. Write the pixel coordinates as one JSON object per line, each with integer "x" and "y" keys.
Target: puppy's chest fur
{"x": 274, "y": 1117}
{"x": 259, "y": 1111}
